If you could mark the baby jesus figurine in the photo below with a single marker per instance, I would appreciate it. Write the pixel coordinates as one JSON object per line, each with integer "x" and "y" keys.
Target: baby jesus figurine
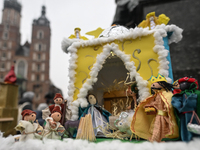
{"x": 53, "y": 128}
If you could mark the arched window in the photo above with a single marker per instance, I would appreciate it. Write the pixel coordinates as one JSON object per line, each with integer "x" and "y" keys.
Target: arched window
{"x": 4, "y": 55}
{"x": 39, "y": 57}
{"x": 4, "y": 45}
{"x": 21, "y": 69}
{"x": 6, "y": 27}
{"x": 5, "y": 35}
{"x": 40, "y": 34}
{"x": 37, "y": 77}
{"x": 3, "y": 65}
{"x": 39, "y": 47}
{"x": 38, "y": 67}
{"x": 1, "y": 76}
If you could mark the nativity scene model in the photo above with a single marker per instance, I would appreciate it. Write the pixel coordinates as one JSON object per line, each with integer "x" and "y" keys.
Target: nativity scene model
{"x": 100, "y": 64}
{"x": 121, "y": 86}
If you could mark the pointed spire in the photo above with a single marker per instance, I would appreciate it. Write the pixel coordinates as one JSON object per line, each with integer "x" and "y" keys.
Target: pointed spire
{"x": 43, "y": 10}
{"x": 42, "y": 20}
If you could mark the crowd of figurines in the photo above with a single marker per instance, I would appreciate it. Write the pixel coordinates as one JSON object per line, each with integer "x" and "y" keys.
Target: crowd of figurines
{"x": 171, "y": 113}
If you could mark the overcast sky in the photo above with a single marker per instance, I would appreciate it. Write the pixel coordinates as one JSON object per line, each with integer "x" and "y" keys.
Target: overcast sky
{"x": 64, "y": 16}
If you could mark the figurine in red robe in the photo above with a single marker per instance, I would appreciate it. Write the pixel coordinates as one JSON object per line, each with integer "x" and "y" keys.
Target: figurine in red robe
{"x": 58, "y": 100}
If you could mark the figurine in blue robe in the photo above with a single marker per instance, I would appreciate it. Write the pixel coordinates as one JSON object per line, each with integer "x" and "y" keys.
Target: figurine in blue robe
{"x": 185, "y": 103}
{"x": 100, "y": 116}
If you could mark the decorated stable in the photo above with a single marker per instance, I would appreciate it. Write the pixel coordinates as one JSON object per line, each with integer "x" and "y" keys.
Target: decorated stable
{"x": 107, "y": 74}
{"x": 100, "y": 64}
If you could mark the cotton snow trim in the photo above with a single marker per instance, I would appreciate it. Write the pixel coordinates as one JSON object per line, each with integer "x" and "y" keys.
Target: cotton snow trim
{"x": 159, "y": 32}
{"x": 67, "y": 42}
{"x": 72, "y": 144}
{"x": 176, "y": 32}
{"x": 162, "y": 53}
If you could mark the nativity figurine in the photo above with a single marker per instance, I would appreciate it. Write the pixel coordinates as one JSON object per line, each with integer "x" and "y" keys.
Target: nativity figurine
{"x": 53, "y": 129}
{"x": 28, "y": 128}
{"x": 154, "y": 117}
{"x": 187, "y": 102}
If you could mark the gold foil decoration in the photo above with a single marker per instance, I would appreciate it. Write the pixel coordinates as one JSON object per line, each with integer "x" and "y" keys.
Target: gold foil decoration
{"x": 112, "y": 54}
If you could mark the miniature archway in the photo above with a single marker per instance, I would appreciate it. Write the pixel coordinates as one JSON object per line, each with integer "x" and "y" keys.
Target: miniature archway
{"x": 130, "y": 66}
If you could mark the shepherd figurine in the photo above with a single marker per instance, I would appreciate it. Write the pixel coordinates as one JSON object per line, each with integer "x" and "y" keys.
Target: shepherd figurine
{"x": 59, "y": 103}
{"x": 28, "y": 128}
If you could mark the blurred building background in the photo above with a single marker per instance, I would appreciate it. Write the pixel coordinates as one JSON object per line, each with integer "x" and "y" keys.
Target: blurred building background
{"x": 183, "y": 13}
{"x": 32, "y": 58}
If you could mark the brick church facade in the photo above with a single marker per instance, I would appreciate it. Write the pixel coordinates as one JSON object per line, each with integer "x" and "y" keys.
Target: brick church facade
{"x": 31, "y": 59}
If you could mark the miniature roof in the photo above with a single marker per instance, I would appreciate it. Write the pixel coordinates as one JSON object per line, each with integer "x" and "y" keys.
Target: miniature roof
{"x": 114, "y": 31}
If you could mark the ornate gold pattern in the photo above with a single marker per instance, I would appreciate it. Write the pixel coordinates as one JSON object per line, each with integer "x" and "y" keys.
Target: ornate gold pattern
{"x": 89, "y": 67}
{"x": 124, "y": 43}
{"x": 138, "y": 51}
{"x": 85, "y": 77}
{"x": 151, "y": 59}
{"x": 97, "y": 47}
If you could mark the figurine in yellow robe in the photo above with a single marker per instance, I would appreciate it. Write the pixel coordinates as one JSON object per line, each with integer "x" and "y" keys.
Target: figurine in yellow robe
{"x": 154, "y": 118}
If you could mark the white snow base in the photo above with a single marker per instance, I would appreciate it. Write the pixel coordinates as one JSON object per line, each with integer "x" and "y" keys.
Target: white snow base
{"x": 71, "y": 144}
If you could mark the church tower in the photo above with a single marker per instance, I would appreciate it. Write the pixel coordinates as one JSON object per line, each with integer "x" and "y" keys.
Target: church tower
{"x": 31, "y": 58}
{"x": 38, "y": 72}
{"x": 9, "y": 35}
